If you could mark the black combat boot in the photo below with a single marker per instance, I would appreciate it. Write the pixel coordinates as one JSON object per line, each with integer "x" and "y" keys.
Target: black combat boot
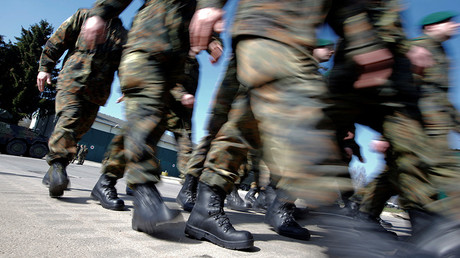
{"x": 209, "y": 221}
{"x": 187, "y": 194}
{"x": 46, "y": 180}
{"x": 149, "y": 208}
{"x": 264, "y": 200}
{"x": 105, "y": 192}
{"x": 250, "y": 197}
{"x": 234, "y": 200}
{"x": 280, "y": 216}
{"x": 58, "y": 180}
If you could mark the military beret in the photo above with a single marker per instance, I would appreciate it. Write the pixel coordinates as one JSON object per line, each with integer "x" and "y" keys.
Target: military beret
{"x": 437, "y": 18}
{"x": 324, "y": 42}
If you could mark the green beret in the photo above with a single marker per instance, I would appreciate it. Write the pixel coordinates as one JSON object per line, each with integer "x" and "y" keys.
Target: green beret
{"x": 324, "y": 43}
{"x": 437, "y": 18}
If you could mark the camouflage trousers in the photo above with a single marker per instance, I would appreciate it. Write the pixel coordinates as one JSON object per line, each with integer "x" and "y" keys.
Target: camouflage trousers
{"x": 146, "y": 80}
{"x": 222, "y": 105}
{"x": 75, "y": 116}
{"x": 283, "y": 115}
{"x": 114, "y": 162}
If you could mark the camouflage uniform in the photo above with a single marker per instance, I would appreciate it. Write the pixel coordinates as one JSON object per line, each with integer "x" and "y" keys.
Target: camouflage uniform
{"x": 84, "y": 82}
{"x": 179, "y": 121}
{"x": 391, "y": 110}
{"x": 439, "y": 117}
{"x": 154, "y": 57}
{"x": 286, "y": 99}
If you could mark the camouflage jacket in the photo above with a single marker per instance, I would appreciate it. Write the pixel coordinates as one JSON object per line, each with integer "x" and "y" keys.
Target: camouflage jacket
{"x": 386, "y": 18}
{"x": 86, "y": 72}
{"x": 435, "y": 79}
{"x": 294, "y": 22}
{"x": 437, "y": 75}
{"x": 160, "y": 26}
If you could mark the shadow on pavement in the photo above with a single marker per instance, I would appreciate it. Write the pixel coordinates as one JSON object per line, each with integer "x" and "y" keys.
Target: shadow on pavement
{"x": 13, "y": 174}
{"x": 76, "y": 200}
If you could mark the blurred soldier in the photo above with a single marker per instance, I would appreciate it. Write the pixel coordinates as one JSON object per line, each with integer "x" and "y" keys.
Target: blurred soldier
{"x": 155, "y": 54}
{"x": 439, "y": 118}
{"x": 324, "y": 50}
{"x": 83, "y": 85}
{"x": 273, "y": 45}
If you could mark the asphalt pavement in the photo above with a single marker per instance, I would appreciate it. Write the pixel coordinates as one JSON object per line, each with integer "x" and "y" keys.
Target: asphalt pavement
{"x": 34, "y": 225}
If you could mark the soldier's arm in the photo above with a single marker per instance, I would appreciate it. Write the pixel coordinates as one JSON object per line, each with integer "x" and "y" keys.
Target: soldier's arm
{"x": 63, "y": 39}
{"x": 208, "y": 18}
{"x": 108, "y": 9}
{"x": 350, "y": 20}
{"x": 390, "y": 27}
{"x": 94, "y": 29}
{"x": 391, "y": 31}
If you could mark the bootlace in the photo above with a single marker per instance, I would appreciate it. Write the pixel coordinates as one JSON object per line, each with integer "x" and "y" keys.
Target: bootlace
{"x": 217, "y": 212}
{"x": 112, "y": 192}
{"x": 110, "y": 189}
{"x": 286, "y": 212}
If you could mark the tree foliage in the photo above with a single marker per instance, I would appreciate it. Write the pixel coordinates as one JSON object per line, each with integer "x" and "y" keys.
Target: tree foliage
{"x": 18, "y": 72}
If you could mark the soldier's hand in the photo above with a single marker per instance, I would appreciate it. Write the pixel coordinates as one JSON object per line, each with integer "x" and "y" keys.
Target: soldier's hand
{"x": 380, "y": 146}
{"x": 203, "y": 23}
{"x": 376, "y": 68}
{"x": 188, "y": 100}
{"x": 94, "y": 31}
{"x": 420, "y": 58}
{"x": 42, "y": 78}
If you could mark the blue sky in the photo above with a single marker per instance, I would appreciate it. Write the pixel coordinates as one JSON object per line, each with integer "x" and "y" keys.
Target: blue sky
{"x": 15, "y": 14}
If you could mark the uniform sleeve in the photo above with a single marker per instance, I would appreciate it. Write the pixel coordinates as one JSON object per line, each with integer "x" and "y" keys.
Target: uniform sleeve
{"x": 390, "y": 28}
{"x": 210, "y": 3}
{"x": 63, "y": 39}
{"x": 108, "y": 9}
{"x": 349, "y": 19}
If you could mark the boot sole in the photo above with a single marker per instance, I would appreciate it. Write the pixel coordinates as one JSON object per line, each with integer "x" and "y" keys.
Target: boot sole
{"x": 199, "y": 234}
{"x": 104, "y": 205}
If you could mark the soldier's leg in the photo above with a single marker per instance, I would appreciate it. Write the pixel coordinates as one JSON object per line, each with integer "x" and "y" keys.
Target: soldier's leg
{"x": 234, "y": 200}
{"x": 229, "y": 148}
{"x": 180, "y": 124}
{"x": 75, "y": 117}
{"x": 219, "y": 115}
{"x": 113, "y": 168}
{"x": 145, "y": 82}
{"x": 228, "y": 151}
{"x": 287, "y": 100}
{"x": 222, "y": 104}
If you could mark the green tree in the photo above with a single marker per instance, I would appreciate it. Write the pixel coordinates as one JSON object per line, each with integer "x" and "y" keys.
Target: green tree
{"x": 8, "y": 62}
{"x": 20, "y": 95}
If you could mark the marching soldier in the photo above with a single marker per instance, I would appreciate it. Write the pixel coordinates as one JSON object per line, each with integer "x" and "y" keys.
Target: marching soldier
{"x": 83, "y": 85}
